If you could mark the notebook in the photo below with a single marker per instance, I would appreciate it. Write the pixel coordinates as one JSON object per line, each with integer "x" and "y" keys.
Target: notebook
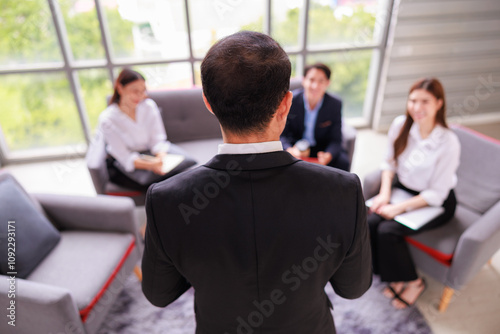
{"x": 414, "y": 219}
{"x": 170, "y": 161}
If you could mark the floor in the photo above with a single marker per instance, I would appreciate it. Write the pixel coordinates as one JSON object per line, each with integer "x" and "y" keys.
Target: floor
{"x": 474, "y": 309}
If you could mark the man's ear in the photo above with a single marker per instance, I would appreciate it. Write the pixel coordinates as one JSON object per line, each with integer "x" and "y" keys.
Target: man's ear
{"x": 284, "y": 107}
{"x": 209, "y": 107}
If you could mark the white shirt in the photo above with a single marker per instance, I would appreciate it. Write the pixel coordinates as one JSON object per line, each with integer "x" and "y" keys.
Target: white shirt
{"x": 310, "y": 117}
{"x": 426, "y": 165}
{"x": 125, "y": 138}
{"x": 251, "y": 148}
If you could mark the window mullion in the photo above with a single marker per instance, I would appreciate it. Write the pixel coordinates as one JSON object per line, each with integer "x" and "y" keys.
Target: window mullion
{"x": 105, "y": 36}
{"x": 190, "y": 45}
{"x": 267, "y": 18}
{"x": 303, "y": 32}
{"x": 74, "y": 82}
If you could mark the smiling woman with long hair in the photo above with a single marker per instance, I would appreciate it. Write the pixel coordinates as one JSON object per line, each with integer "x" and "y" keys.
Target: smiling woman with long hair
{"x": 422, "y": 159}
{"x": 135, "y": 137}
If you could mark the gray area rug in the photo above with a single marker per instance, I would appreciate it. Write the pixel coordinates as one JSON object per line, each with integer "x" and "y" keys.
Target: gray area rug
{"x": 370, "y": 314}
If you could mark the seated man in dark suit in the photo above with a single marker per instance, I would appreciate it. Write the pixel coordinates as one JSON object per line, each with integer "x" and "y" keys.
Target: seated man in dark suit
{"x": 314, "y": 126}
{"x": 256, "y": 232}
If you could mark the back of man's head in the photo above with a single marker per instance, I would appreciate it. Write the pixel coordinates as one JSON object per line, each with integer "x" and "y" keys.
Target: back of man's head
{"x": 245, "y": 76}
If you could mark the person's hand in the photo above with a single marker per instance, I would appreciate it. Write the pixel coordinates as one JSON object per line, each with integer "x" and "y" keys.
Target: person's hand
{"x": 389, "y": 211}
{"x": 294, "y": 151}
{"x": 161, "y": 154}
{"x": 324, "y": 158}
{"x": 156, "y": 165}
{"x": 379, "y": 201}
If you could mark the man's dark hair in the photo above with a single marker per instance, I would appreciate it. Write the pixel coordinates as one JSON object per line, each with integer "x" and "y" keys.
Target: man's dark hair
{"x": 319, "y": 66}
{"x": 245, "y": 76}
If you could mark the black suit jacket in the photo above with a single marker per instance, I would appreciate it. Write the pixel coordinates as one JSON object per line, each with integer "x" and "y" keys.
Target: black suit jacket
{"x": 258, "y": 236}
{"x": 328, "y": 128}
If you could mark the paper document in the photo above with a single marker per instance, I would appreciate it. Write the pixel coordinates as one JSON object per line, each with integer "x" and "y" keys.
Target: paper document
{"x": 413, "y": 219}
{"x": 170, "y": 161}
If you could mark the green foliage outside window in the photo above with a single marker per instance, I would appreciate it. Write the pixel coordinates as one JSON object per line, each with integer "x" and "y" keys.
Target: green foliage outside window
{"x": 351, "y": 30}
{"x": 27, "y": 34}
{"x": 39, "y": 110}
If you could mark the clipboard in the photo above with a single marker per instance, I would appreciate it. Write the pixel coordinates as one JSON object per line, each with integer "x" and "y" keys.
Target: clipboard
{"x": 414, "y": 219}
{"x": 170, "y": 161}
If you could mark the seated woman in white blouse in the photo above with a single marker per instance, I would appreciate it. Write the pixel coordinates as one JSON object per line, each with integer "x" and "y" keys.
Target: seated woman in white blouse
{"x": 422, "y": 158}
{"x": 132, "y": 125}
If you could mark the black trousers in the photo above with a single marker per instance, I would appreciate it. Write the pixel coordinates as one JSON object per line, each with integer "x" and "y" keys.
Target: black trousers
{"x": 118, "y": 177}
{"x": 391, "y": 257}
{"x": 121, "y": 178}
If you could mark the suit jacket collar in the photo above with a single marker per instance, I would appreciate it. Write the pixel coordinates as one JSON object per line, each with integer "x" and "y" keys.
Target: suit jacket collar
{"x": 250, "y": 162}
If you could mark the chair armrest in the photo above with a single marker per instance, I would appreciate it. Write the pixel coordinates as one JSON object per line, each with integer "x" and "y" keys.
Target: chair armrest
{"x": 96, "y": 163}
{"x": 40, "y": 308}
{"x": 372, "y": 183}
{"x": 99, "y": 213}
{"x": 475, "y": 247}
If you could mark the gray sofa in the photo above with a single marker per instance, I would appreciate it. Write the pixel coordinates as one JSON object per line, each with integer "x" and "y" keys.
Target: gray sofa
{"x": 190, "y": 126}
{"x": 73, "y": 283}
{"x": 456, "y": 251}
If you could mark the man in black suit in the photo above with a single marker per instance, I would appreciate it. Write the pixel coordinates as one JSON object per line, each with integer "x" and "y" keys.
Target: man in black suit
{"x": 315, "y": 118}
{"x": 256, "y": 232}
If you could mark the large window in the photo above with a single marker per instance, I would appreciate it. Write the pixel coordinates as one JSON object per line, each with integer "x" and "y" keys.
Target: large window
{"x": 59, "y": 58}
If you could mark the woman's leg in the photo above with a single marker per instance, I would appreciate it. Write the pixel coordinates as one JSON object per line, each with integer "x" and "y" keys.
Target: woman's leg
{"x": 395, "y": 261}
{"x": 410, "y": 294}
{"x": 374, "y": 222}
{"x": 415, "y": 288}
{"x": 118, "y": 177}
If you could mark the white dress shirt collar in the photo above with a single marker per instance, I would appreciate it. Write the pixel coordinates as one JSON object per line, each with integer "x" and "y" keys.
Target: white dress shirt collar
{"x": 251, "y": 148}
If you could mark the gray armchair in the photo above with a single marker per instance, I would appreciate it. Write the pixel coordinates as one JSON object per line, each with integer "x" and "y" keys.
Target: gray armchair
{"x": 78, "y": 277}
{"x": 455, "y": 252}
